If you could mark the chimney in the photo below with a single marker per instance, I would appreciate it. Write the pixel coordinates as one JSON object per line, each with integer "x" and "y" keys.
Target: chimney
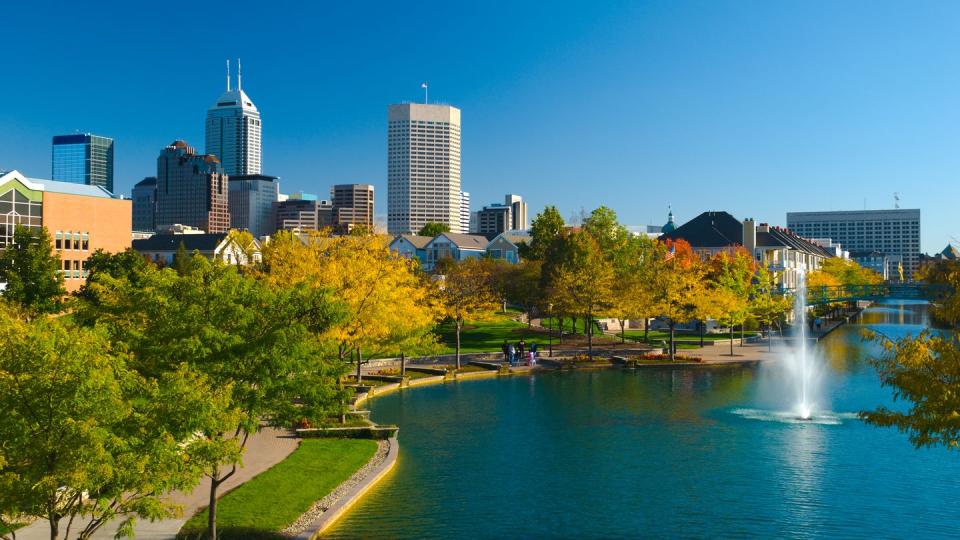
{"x": 749, "y": 236}
{"x": 763, "y": 228}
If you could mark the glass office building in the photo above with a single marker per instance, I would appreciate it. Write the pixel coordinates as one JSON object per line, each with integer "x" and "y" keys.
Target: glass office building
{"x": 83, "y": 158}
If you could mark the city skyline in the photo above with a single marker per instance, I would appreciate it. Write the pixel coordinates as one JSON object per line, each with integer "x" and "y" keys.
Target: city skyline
{"x": 613, "y": 104}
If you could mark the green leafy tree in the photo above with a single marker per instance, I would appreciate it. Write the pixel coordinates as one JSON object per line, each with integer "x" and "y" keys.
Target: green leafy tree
{"x": 85, "y": 438}
{"x": 432, "y": 229}
{"x": 731, "y": 276}
{"x": 30, "y": 268}
{"x": 260, "y": 341}
{"x": 467, "y": 292}
{"x": 767, "y": 306}
{"x": 521, "y": 286}
{"x": 633, "y": 262}
{"x": 680, "y": 287}
{"x": 923, "y": 371}
{"x": 610, "y": 235}
{"x": 544, "y": 230}
{"x": 583, "y": 284}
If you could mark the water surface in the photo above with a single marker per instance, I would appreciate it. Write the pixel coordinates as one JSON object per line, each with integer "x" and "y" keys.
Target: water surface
{"x": 666, "y": 453}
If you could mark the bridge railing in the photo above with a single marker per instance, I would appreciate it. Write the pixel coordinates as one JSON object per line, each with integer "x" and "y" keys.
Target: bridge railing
{"x": 849, "y": 293}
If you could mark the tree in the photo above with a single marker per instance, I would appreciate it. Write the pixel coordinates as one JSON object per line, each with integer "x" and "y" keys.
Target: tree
{"x": 680, "y": 287}
{"x": 466, "y": 293}
{"x": 31, "y": 270}
{"x": 610, "y": 235}
{"x": 634, "y": 264}
{"x": 432, "y": 229}
{"x": 731, "y": 275}
{"x": 925, "y": 372}
{"x": 521, "y": 286}
{"x": 85, "y": 438}
{"x": 766, "y": 305}
{"x": 544, "y": 229}
{"x": 258, "y": 340}
{"x": 387, "y": 304}
{"x": 583, "y": 284}
{"x": 126, "y": 265}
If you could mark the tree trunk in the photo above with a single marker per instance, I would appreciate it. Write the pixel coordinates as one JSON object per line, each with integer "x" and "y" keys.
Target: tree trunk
{"x": 54, "y": 526}
{"x": 560, "y": 337}
{"x": 212, "y": 508}
{"x": 403, "y": 365}
{"x": 672, "y": 346}
{"x": 703, "y": 327}
{"x": 731, "y": 340}
{"x": 358, "y": 366}
{"x": 646, "y": 330}
{"x": 623, "y": 334}
{"x": 459, "y": 325}
{"x": 741, "y": 334}
{"x": 769, "y": 338}
{"x": 588, "y": 328}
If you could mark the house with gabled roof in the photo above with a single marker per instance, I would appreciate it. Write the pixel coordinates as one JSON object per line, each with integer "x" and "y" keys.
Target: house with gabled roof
{"x": 454, "y": 246}
{"x": 506, "y": 246}
{"x": 411, "y": 246}
{"x": 778, "y": 249}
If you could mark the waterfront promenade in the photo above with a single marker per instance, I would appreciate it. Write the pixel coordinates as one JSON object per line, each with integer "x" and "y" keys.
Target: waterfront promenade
{"x": 264, "y": 450}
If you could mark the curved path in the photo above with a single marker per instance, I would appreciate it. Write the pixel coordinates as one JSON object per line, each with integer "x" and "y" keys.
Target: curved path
{"x": 264, "y": 450}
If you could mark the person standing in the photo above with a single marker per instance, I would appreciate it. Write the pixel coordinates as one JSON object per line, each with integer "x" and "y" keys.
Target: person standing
{"x": 533, "y": 353}
{"x": 511, "y": 354}
{"x": 506, "y": 351}
{"x": 521, "y": 346}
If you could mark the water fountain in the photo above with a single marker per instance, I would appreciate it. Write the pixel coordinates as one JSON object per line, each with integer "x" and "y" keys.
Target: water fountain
{"x": 800, "y": 361}
{"x": 792, "y": 384}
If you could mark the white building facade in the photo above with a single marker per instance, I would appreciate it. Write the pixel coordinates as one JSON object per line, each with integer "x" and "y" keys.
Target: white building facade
{"x": 423, "y": 167}
{"x": 894, "y": 233}
{"x": 233, "y": 131}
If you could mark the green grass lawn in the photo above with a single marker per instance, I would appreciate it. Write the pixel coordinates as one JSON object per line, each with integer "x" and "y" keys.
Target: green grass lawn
{"x": 275, "y": 498}
{"x": 486, "y": 336}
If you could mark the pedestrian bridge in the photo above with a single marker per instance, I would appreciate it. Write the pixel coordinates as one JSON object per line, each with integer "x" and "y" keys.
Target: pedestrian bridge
{"x": 852, "y": 293}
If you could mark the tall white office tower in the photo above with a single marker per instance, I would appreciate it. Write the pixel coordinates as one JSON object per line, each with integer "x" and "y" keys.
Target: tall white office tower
{"x": 233, "y": 130}
{"x": 423, "y": 167}
{"x": 518, "y": 212}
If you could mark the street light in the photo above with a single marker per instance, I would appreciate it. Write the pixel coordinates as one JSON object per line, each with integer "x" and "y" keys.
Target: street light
{"x": 550, "y": 329}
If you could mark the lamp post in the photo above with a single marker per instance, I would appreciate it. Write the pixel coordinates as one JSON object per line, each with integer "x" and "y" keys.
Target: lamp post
{"x": 550, "y": 329}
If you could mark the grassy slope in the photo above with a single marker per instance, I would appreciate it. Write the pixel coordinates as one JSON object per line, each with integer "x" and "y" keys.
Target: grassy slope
{"x": 277, "y": 497}
{"x": 485, "y": 336}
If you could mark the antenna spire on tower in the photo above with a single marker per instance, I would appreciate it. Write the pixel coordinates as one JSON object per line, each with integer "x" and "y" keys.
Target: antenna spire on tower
{"x": 238, "y": 76}
{"x": 228, "y": 74}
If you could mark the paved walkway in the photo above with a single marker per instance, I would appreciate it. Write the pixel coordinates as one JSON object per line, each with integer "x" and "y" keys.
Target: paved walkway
{"x": 265, "y": 449}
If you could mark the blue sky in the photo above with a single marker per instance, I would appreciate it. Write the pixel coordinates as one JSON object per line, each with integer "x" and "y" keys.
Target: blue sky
{"x": 757, "y": 108}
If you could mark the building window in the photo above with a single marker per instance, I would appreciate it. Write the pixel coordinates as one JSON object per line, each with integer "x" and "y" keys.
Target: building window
{"x": 86, "y": 242}
{"x": 58, "y": 242}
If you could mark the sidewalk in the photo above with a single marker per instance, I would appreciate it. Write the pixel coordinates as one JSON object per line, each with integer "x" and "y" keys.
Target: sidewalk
{"x": 264, "y": 450}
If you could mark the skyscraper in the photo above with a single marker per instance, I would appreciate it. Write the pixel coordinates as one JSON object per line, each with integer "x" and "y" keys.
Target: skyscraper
{"x": 465, "y": 212}
{"x": 144, "y": 197}
{"x": 352, "y": 206}
{"x": 83, "y": 158}
{"x": 494, "y": 219}
{"x": 233, "y": 130}
{"x": 519, "y": 212}
{"x": 191, "y": 190}
{"x": 251, "y": 201}
{"x": 423, "y": 167}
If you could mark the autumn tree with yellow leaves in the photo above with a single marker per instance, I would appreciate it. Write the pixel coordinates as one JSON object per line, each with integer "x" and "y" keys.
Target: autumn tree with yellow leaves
{"x": 388, "y": 304}
{"x": 467, "y": 291}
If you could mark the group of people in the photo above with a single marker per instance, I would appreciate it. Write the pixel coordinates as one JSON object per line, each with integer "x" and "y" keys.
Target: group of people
{"x": 515, "y": 354}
